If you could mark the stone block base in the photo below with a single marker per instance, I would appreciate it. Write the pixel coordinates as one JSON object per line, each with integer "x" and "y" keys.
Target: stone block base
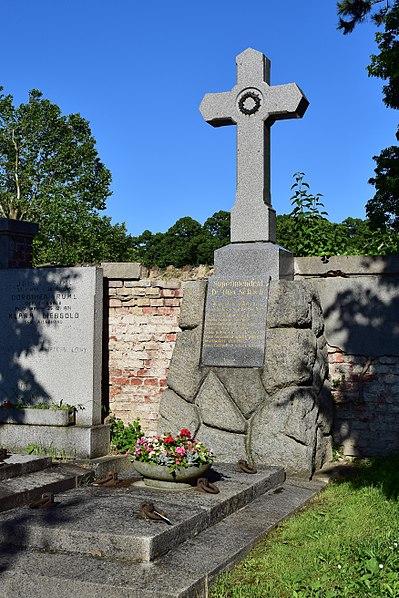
{"x": 73, "y": 441}
{"x": 254, "y": 259}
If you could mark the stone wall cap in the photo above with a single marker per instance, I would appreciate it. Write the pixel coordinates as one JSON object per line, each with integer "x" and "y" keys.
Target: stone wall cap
{"x": 121, "y": 270}
{"x": 346, "y": 265}
{"x": 20, "y": 227}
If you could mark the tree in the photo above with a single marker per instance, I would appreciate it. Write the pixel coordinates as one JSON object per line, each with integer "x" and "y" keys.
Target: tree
{"x": 352, "y": 12}
{"x": 383, "y": 208}
{"x": 50, "y": 173}
{"x": 184, "y": 243}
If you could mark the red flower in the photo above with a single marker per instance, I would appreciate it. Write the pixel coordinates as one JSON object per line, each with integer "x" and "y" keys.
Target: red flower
{"x": 7, "y": 404}
{"x": 169, "y": 439}
{"x": 185, "y": 433}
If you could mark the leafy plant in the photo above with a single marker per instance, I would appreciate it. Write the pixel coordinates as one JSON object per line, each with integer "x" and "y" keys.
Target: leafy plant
{"x": 310, "y": 232}
{"x": 174, "y": 452}
{"x": 123, "y": 438}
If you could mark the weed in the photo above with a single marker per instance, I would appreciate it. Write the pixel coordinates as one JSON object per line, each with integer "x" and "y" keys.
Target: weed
{"x": 124, "y": 437}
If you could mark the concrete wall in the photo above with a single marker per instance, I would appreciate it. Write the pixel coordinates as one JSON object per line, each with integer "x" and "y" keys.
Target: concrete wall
{"x": 360, "y": 300}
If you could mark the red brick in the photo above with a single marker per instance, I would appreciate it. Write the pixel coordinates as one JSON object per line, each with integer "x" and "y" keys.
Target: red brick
{"x": 142, "y": 372}
{"x": 150, "y": 310}
{"x": 136, "y": 381}
{"x": 151, "y": 382}
{"x": 179, "y": 293}
{"x": 168, "y": 293}
{"x": 171, "y": 337}
{"x": 172, "y": 302}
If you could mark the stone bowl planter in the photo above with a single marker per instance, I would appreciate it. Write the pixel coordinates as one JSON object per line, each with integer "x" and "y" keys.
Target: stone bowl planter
{"x": 161, "y": 472}
{"x": 37, "y": 417}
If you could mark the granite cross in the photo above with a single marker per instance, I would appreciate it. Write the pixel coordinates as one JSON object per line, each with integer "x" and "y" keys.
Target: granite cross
{"x": 253, "y": 105}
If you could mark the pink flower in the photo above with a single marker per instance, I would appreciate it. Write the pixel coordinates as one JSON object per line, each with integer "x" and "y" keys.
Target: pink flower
{"x": 180, "y": 450}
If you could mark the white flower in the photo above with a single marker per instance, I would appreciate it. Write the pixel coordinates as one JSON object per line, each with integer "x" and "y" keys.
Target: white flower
{"x": 381, "y": 566}
{"x": 339, "y": 566}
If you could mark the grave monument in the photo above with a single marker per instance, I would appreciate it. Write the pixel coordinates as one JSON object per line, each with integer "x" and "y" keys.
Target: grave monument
{"x": 249, "y": 371}
{"x": 50, "y": 354}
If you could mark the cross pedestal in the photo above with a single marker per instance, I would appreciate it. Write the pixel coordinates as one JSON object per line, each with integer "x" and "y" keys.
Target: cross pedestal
{"x": 253, "y": 106}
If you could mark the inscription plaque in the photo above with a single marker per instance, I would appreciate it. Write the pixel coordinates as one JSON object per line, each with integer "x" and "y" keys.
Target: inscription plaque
{"x": 235, "y": 322}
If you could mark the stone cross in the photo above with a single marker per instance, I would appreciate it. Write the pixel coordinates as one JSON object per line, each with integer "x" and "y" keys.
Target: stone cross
{"x": 253, "y": 105}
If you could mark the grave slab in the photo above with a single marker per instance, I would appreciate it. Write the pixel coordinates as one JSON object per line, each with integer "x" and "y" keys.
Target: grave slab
{"x": 81, "y": 522}
{"x": 188, "y": 571}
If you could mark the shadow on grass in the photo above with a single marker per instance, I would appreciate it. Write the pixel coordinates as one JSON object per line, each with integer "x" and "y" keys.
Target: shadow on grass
{"x": 379, "y": 472}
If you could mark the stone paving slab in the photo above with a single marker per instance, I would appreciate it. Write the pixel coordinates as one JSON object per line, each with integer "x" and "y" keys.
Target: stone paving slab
{"x": 20, "y": 491}
{"x": 104, "y": 522}
{"x": 185, "y": 572}
{"x": 17, "y": 465}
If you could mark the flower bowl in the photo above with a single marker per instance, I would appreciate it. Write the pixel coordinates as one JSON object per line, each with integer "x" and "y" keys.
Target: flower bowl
{"x": 170, "y": 458}
{"x": 162, "y": 473}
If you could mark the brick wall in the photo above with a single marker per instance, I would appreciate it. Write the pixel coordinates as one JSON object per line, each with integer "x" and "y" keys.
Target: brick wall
{"x": 142, "y": 324}
{"x": 360, "y": 300}
{"x": 366, "y": 397}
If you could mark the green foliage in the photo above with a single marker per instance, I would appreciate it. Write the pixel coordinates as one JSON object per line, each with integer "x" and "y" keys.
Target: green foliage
{"x": 184, "y": 243}
{"x": 306, "y": 231}
{"x": 345, "y": 544}
{"x": 50, "y": 173}
{"x": 124, "y": 437}
{"x": 353, "y": 12}
{"x": 383, "y": 208}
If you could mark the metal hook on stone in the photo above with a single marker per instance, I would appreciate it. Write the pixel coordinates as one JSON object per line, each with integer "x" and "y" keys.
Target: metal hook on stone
{"x": 245, "y": 467}
{"x": 148, "y": 511}
{"x": 204, "y": 485}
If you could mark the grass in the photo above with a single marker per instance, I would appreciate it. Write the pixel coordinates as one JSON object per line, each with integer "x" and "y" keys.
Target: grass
{"x": 344, "y": 544}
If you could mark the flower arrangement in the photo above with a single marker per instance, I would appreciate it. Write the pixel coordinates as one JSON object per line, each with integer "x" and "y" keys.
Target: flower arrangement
{"x": 175, "y": 452}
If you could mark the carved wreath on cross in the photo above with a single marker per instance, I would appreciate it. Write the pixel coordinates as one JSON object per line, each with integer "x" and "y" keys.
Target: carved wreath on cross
{"x": 253, "y": 96}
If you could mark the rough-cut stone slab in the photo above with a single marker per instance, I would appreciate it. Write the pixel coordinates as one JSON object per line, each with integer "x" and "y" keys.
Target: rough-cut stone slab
{"x": 217, "y": 408}
{"x": 175, "y": 413}
{"x": 184, "y": 373}
{"x": 226, "y": 446}
{"x": 289, "y": 305}
{"x": 244, "y": 386}
{"x": 291, "y": 355}
{"x": 286, "y": 429}
{"x": 235, "y": 321}
{"x": 193, "y": 304}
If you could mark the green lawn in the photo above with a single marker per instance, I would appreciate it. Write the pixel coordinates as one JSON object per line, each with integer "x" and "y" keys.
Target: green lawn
{"x": 345, "y": 543}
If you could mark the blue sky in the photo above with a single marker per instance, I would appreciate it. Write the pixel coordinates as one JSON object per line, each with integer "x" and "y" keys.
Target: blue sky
{"x": 138, "y": 71}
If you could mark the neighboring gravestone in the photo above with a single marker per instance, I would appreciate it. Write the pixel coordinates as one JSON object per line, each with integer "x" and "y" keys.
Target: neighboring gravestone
{"x": 51, "y": 352}
{"x": 248, "y": 373}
